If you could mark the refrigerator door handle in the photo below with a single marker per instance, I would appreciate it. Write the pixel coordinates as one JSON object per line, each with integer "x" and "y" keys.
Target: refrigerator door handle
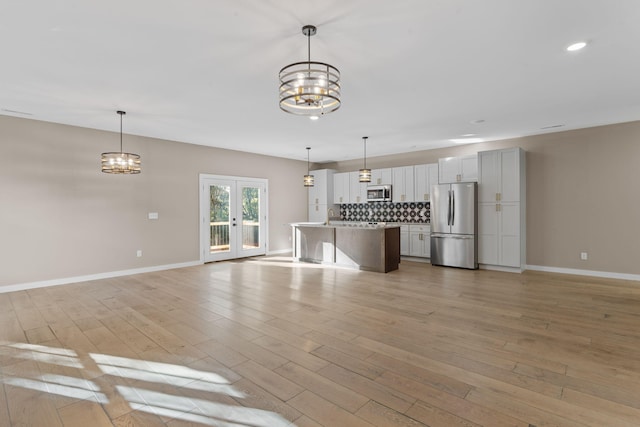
{"x": 449, "y": 208}
{"x": 453, "y": 207}
{"x": 452, "y": 236}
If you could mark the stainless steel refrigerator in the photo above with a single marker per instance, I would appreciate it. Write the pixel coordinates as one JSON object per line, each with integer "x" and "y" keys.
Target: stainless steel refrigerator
{"x": 454, "y": 225}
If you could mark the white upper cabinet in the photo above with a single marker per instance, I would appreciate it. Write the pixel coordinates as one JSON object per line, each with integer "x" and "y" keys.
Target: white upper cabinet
{"x": 381, "y": 176}
{"x": 321, "y": 195}
{"x": 341, "y": 187}
{"x": 500, "y": 175}
{"x": 402, "y": 190}
{"x": 425, "y": 177}
{"x": 357, "y": 189}
{"x": 458, "y": 169}
{"x": 322, "y": 191}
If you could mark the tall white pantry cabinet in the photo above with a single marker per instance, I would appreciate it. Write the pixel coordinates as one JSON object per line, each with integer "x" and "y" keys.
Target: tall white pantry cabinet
{"x": 502, "y": 208}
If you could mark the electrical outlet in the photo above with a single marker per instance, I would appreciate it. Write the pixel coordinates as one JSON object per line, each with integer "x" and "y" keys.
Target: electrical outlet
{"x": 584, "y": 256}
{"x": 139, "y": 253}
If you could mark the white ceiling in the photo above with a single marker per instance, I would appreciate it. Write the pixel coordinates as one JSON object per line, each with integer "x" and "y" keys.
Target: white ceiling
{"x": 415, "y": 73}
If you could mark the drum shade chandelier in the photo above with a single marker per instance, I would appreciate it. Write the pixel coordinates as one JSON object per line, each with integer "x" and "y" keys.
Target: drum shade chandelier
{"x": 308, "y": 178}
{"x": 309, "y": 88}
{"x": 121, "y": 163}
{"x": 364, "y": 174}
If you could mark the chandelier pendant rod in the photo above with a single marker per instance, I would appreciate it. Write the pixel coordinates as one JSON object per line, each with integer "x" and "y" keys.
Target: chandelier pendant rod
{"x": 365, "y": 152}
{"x": 121, "y": 131}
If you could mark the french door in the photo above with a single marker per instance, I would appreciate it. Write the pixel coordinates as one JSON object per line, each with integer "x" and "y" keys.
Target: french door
{"x": 233, "y": 217}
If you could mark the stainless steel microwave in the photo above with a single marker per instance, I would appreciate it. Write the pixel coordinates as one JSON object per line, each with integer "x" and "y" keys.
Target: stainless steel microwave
{"x": 379, "y": 193}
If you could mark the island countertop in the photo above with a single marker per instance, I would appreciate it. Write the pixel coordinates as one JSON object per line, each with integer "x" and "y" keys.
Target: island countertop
{"x": 371, "y": 247}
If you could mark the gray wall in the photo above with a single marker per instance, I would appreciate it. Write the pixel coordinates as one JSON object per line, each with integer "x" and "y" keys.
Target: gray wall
{"x": 61, "y": 217}
{"x": 582, "y": 194}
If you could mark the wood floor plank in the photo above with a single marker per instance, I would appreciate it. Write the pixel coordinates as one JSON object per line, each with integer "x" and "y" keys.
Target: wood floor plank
{"x": 255, "y": 396}
{"x": 305, "y": 421}
{"x": 138, "y": 418}
{"x": 616, "y": 413}
{"x": 382, "y": 416}
{"x": 5, "y": 420}
{"x": 272, "y": 381}
{"x": 483, "y": 415}
{"x": 84, "y": 413}
{"x": 353, "y": 364}
{"x": 323, "y": 387}
{"x": 437, "y": 417}
{"x": 222, "y": 353}
{"x": 324, "y": 412}
{"x": 369, "y": 388}
{"x": 38, "y": 335}
{"x": 300, "y": 357}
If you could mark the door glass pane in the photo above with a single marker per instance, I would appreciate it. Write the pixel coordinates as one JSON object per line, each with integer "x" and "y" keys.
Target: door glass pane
{"x": 219, "y": 211}
{"x": 250, "y": 217}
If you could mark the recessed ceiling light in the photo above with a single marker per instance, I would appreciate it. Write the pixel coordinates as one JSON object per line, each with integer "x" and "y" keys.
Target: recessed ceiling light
{"x": 466, "y": 140}
{"x": 576, "y": 46}
{"x": 314, "y": 117}
{"x": 467, "y": 135}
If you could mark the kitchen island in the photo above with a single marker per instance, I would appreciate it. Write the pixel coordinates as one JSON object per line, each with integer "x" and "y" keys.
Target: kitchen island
{"x": 374, "y": 247}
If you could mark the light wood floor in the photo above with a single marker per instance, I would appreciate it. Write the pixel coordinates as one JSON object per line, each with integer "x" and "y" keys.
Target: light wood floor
{"x": 266, "y": 342}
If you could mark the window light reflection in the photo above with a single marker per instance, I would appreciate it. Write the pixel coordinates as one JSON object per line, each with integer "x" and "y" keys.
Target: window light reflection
{"x": 121, "y": 370}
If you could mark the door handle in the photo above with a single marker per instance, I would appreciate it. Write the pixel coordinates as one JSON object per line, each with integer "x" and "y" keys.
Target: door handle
{"x": 453, "y": 207}
{"x": 449, "y": 208}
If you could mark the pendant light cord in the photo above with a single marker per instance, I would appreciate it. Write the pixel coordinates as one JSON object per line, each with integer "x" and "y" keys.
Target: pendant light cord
{"x": 121, "y": 113}
{"x": 365, "y": 150}
{"x": 120, "y": 132}
{"x": 309, "y": 52}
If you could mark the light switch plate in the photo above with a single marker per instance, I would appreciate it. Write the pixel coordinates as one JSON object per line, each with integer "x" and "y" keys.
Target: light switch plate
{"x": 153, "y": 215}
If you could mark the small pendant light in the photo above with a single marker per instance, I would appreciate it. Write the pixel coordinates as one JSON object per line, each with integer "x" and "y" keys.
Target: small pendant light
{"x": 365, "y": 174}
{"x": 308, "y": 178}
{"x": 121, "y": 163}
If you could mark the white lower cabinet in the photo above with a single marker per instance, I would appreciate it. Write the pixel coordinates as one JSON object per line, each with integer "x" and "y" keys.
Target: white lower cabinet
{"x": 404, "y": 240}
{"x": 420, "y": 241}
{"x": 415, "y": 240}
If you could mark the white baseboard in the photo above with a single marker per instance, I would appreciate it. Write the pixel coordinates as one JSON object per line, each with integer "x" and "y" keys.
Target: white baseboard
{"x": 593, "y": 273}
{"x": 279, "y": 252}
{"x": 415, "y": 259}
{"x": 500, "y": 268}
{"x": 107, "y": 275}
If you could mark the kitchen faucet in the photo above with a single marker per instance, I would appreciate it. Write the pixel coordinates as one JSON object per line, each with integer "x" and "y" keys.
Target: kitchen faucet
{"x": 330, "y": 213}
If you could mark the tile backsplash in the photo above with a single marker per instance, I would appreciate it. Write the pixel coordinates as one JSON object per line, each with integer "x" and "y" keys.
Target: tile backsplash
{"x": 409, "y": 212}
